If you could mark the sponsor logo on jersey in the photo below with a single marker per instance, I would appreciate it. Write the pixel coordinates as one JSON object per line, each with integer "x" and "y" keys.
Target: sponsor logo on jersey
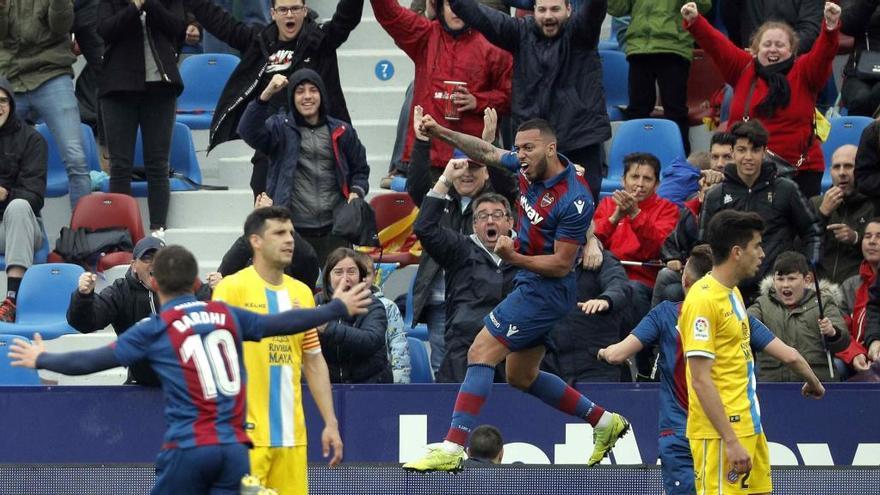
{"x": 701, "y": 328}
{"x": 534, "y": 217}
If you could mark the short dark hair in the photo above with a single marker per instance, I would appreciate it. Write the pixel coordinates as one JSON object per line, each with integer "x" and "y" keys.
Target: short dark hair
{"x": 334, "y": 258}
{"x": 752, "y": 131}
{"x": 175, "y": 270}
{"x": 491, "y": 197}
{"x": 729, "y": 228}
{"x": 699, "y": 262}
{"x": 274, "y": 2}
{"x": 723, "y": 138}
{"x": 486, "y": 442}
{"x": 255, "y": 223}
{"x": 538, "y": 124}
{"x": 638, "y": 158}
{"x": 789, "y": 262}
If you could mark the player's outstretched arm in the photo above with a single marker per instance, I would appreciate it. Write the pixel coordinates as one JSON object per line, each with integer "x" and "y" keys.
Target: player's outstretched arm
{"x": 790, "y": 357}
{"x": 707, "y": 393}
{"x": 475, "y": 148}
{"x": 33, "y": 355}
{"x": 350, "y": 302}
{"x": 621, "y": 351}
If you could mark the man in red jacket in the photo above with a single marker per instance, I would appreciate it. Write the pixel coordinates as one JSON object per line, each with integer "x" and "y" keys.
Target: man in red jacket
{"x": 855, "y": 295}
{"x": 634, "y": 222}
{"x": 446, "y": 49}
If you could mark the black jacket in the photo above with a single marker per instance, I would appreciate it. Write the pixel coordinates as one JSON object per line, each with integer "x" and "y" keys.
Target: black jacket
{"x": 354, "y": 348}
{"x": 578, "y": 337}
{"x": 786, "y": 212}
{"x": 23, "y": 158}
{"x": 680, "y": 242}
{"x": 475, "y": 283}
{"x": 419, "y": 181}
{"x": 861, "y": 20}
{"x": 316, "y": 49}
{"x": 557, "y": 79}
{"x": 122, "y": 304}
{"x": 120, "y": 26}
{"x": 303, "y": 267}
{"x": 868, "y": 162}
{"x": 743, "y": 17}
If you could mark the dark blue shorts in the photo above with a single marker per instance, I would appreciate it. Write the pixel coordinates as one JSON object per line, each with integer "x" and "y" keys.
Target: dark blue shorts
{"x": 526, "y": 316}
{"x": 214, "y": 469}
{"x": 677, "y": 464}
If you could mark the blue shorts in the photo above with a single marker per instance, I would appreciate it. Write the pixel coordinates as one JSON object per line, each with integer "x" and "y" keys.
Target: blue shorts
{"x": 526, "y": 316}
{"x": 677, "y": 464}
{"x": 214, "y": 469}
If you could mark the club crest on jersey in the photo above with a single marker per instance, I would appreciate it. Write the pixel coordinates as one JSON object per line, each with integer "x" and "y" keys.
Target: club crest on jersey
{"x": 547, "y": 200}
{"x": 579, "y": 204}
{"x": 732, "y": 476}
{"x": 701, "y": 328}
{"x": 531, "y": 212}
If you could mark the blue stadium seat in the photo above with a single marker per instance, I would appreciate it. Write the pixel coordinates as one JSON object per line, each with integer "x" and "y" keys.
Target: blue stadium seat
{"x": 39, "y": 256}
{"x": 10, "y": 375}
{"x": 615, "y": 78}
{"x": 844, "y": 130}
{"x": 419, "y": 330}
{"x": 659, "y": 137}
{"x": 418, "y": 359}
{"x": 42, "y": 301}
{"x": 182, "y": 159}
{"x": 56, "y": 176}
{"x": 204, "y": 76}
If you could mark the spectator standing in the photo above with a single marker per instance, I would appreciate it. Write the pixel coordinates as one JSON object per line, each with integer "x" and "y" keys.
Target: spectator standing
{"x": 855, "y": 298}
{"x": 476, "y": 278}
{"x": 774, "y": 85}
{"x": 634, "y": 222}
{"x": 295, "y": 40}
{"x": 868, "y": 163}
{"x": 429, "y": 292}
{"x": 317, "y": 163}
{"x": 22, "y": 190}
{"x": 744, "y": 17}
{"x": 557, "y": 74}
{"x": 447, "y": 49}
{"x": 143, "y": 38}
{"x": 659, "y": 51}
{"x": 276, "y": 366}
{"x": 843, "y": 214}
{"x": 597, "y": 321}
{"x": 752, "y": 185}
{"x": 395, "y": 336}
{"x": 861, "y": 20}
{"x": 485, "y": 448}
{"x": 353, "y": 347}
{"x": 36, "y": 59}
{"x": 790, "y": 309}
{"x": 89, "y": 44}
{"x": 303, "y": 266}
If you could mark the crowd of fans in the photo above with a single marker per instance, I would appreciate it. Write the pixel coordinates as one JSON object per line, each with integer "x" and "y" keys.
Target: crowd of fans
{"x": 481, "y": 71}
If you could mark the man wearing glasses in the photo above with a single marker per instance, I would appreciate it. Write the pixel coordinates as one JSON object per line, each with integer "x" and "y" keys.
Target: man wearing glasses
{"x": 125, "y": 302}
{"x": 22, "y": 188}
{"x": 295, "y": 40}
{"x": 476, "y": 277}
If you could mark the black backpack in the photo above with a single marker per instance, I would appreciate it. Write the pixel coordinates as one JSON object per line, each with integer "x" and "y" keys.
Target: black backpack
{"x": 84, "y": 246}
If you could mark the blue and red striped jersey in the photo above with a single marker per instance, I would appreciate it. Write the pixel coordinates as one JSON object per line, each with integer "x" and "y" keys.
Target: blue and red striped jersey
{"x": 195, "y": 348}
{"x": 660, "y": 327}
{"x": 557, "y": 209}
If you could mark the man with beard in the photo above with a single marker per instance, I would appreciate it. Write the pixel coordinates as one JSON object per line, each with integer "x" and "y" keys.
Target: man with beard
{"x": 557, "y": 74}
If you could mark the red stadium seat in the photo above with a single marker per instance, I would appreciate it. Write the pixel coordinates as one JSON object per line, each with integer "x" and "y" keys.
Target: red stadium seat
{"x": 704, "y": 81}
{"x": 108, "y": 210}
{"x": 391, "y": 208}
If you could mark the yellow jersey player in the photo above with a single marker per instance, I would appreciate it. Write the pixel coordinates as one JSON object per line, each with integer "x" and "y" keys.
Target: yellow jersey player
{"x": 275, "y": 419}
{"x": 724, "y": 417}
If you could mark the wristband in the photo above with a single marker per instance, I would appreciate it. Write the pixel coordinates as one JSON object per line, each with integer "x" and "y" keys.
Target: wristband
{"x": 445, "y": 181}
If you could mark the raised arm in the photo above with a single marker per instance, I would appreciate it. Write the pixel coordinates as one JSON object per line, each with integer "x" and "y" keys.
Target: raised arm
{"x": 347, "y": 16}
{"x": 500, "y": 29}
{"x": 817, "y": 62}
{"x": 222, "y": 24}
{"x": 475, "y": 148}
{"x": 808, "y": 23}
{"x": 586, "y": 23}
{"x": 729, "y": 58}
{"x": 409, "y": 30}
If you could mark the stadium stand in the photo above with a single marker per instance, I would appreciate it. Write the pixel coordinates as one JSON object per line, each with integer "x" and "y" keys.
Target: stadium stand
{"x": 56, "y": 177}
{"x": 43, "y": 299}
{"x": 615, "y": 77}
{"x": 204, "y": 76}
{"x": 844, "y": 130}
{"x": 10, "y": 375}
{"x": 421, "y": 364}
{"x": 657, "y": 136}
